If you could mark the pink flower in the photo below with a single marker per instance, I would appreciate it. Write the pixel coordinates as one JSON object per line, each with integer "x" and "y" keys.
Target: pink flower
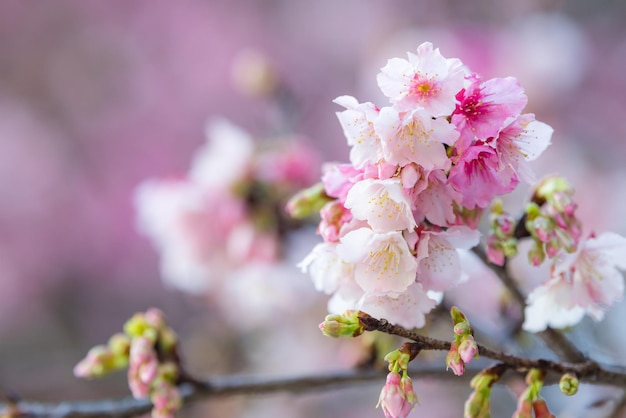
{"x": 357, "y": 122}
{"x": 521, "y": 141}
{"x": 397, "y": 398}
{"x": 468, "y": 349}
{"x": 382, "y": 203}
{"x": 439, "y": 264}
{"x": 434, "y": 199}
{"x": 326, "y": 269}
{"x": 587, "y": 281}
{"x": 383, "y": 262}
{"x": 415, "y": 137}
{"x": 478, "y": 176}
{"x": 485, "y": 106}
{"x": 426, "y": 80}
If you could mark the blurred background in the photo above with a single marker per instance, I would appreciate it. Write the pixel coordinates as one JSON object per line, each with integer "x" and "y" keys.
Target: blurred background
{"x": 97, "y": 97}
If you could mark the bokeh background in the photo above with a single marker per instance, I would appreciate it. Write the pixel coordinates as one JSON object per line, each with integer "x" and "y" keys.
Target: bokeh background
{"x": 96, "y": 97}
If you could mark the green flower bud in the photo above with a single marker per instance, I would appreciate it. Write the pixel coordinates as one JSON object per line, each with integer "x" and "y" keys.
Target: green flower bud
{"x": 568, "y": 384}
{"x": 307, "y": 202}
{"x": 345, "y": 325}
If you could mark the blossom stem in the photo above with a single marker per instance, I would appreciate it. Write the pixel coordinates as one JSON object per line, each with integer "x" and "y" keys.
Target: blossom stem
{"x": 587, "y": 371}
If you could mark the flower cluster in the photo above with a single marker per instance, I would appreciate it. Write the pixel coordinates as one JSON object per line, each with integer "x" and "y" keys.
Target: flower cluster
{"x": 148, "y": 349}
{"x": 398, "y": 398}
{"x": 422, "y": 170}
{"x": 582, "y": 275}
{"x": 227, "y": 212}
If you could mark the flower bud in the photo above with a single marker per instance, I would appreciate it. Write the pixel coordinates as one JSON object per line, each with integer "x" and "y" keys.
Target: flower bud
{"x": 478, "y": 405}
{"x": 541, "y": 409}
{"x": 397, "y": 397}
{"x": 307, "y": 202}
{"x": 468, "y": 349}
{"x": 568, "y": 384}
{"x": 346, "y": 325}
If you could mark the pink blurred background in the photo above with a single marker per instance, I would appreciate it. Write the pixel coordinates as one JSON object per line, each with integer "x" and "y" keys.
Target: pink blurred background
{"x": 96, "y": 97}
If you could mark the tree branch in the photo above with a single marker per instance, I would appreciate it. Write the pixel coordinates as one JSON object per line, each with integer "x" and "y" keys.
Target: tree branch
{"x": 588, "y": 371}
{"x": 213, "y": 387}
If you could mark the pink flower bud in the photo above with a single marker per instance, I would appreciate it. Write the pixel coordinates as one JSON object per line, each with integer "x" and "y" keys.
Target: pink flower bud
{"x": 468, "y": 349}
{"x": 541, "y": 409}
{"x": 396, "y": 397}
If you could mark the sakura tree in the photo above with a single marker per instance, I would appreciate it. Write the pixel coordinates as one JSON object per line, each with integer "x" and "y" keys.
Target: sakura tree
{"x": 414, "y": 214}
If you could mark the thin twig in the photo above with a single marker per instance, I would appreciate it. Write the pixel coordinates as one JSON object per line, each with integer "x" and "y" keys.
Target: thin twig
{"x": 588, "y": 371}
{"x": 213, "y": 387}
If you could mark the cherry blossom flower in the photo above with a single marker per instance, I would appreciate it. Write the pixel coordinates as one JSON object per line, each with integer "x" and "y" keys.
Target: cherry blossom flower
{"x": 383, "y": 263}
{"x": 408, "y": 309}
{"x": 585, "y": 282}
{"x": 478, "y": 175}
{"x": 426, "y": 80}
{"x": 521, "y": 141}
{"x": 382, "y": 203}
{"x": 439, "y": 264}
{"x": 415, "y": 137}
{"x": 485, "y": 106}
{"x": 434, "y": 199}
{"x": 357, "y": 122}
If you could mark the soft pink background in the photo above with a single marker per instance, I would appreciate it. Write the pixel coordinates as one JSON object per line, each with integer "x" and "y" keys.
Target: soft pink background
{"x": 95, "y": 97}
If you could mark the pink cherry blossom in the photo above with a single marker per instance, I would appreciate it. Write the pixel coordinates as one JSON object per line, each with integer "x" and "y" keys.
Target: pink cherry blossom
{"x": 521, "y": 141}
{"x": 357, "y": 122}
{"x": 383, "y": 262}
{"x": 478, "y": 175}
{"x": 485, "y": 106}
{"x": 382, "y": 203}
{"x": 426, "y": 80}
{"x": 338, "y": 179}
{"x": 415, "y": 137}
{"x": 587, "y": 281}
{"x": 439, "y": 264}
{"x": 408, "y": 309}
{"x": 434, "y": 199}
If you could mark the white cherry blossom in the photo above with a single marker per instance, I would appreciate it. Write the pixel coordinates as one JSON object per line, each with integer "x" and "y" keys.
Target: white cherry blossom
{"x": 383, "y": 263}
{"x": 382, "y": 203}
{"x": 357, "y": 122}
{"x": 426, "y": 79}
{"x": 587, "y": 281}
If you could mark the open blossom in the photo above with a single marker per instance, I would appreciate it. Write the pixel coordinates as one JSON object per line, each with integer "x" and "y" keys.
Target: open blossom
{"x": 408, "y": 309}
{"x": 382, "y": 203}
{"x": 478, "y": 175}
{"x": 485, "y": 106}
{"x": 587, "y": 281}
{"x": 434, "y": 199}
{"x": 357, "y": 122}
{"x": 439, "y": 263}
{"x": 383, "y": 262}
{"x": 415, "y": 137}
{"x": 426, "y": 79}
{"x": 521, "y": 141}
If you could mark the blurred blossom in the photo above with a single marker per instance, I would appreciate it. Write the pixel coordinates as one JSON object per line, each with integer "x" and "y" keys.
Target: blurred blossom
{"x": 222, "y": 227}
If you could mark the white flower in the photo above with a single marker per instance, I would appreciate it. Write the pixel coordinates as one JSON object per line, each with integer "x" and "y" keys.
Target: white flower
{"x": 415, "y": 137}
{"x": 383, "y": 263}
{"x": 357, "y": 122}
{"x": 426, "y": 80}
{"x": 224, "y": 158}
{"x": 408, "y": 309}
{"x": 587, "y": 281}
{"x": 382, "y": 203}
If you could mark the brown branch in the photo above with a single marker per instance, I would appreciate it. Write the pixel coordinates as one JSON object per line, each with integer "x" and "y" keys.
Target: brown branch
{"x": 554, "y": 339}
{"x": 196, "y": 389}
{"x": 588, "y": 371}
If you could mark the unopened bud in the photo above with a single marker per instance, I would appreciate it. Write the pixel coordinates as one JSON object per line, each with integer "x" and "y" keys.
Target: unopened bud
{"x": 307, "y": 202}
{"x": 468, "y": 349}
{"x": 540, "y": 407}
{"x": 568, "y": 384}
{"x": 345, "y": 325}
